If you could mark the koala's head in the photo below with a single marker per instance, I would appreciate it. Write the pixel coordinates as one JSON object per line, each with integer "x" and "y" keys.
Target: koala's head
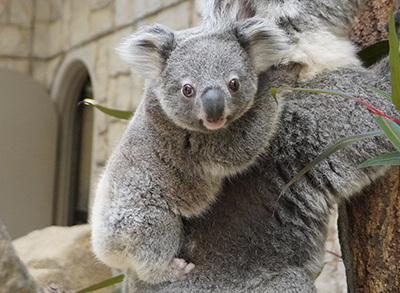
{"x": 205, "y": 80}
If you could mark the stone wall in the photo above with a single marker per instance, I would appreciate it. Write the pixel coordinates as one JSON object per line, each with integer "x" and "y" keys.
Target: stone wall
{"x": 42, "y": 37}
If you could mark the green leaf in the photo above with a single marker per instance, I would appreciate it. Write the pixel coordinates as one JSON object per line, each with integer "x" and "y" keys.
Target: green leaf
{"x": 337, "y": 146}
{"x": 386, "y": 159}
{"x": 391, "y": 129}
{"x": 118, "y": 290}
{"x": 103, "y": 284}
{"x": 385, "y": 94}
{"x": 372, "y": 54}
{"x": 112, "y": 112}
{"x": 273, "y": 92}
{"x": 320, "y": 271}
{"x": 394, "y": 61}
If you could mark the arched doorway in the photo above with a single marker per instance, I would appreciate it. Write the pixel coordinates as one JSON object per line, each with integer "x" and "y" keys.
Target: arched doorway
{"x": 81, "y": 158}
{"x": 75, "y": 145}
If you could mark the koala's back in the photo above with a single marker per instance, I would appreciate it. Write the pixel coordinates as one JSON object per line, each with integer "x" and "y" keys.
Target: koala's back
{"x": 312, "y": 27}
{"x": 294, "y": 16}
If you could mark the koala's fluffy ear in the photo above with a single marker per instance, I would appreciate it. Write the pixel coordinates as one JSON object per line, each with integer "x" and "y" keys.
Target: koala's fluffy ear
{"x": 265, "y": 43}
{"x": 147, "y": 50}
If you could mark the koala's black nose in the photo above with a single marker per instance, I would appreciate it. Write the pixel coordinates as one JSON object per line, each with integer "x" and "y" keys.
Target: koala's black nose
{"x": 213, "y": 105}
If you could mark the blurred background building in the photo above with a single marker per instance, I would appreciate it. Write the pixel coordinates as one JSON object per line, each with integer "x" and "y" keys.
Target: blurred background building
{"x": 53, "y": 54}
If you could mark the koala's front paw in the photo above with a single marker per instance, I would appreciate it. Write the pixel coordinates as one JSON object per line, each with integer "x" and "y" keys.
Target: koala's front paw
{"x": 180, "y": 268}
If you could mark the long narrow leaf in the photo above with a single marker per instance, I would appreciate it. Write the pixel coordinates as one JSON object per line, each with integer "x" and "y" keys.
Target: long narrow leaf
{"x": 382, "y": 93}
{"x": 112, "y": 112}
{"x": 103, "y": 284}
{"x": 394, "y": 61}
{"x": 391, "y": 129}
{"x": 337, "y": 146}
{"x": 374, "y": 53}
{"x": 386, "y": 159}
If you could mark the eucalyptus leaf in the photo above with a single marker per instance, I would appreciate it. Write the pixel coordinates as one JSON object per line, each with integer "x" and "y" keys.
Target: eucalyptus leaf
{"x": 394, "y": 61}
{"x": 391, "y": 129}
{"x": 103, "y": 284}
{"x": 112, "y": 112}
{"x": 372, "y": 54}
{"x": 337, "y": 146}
{"x": 382, "y": 93}
{"x": 386, "y": 159}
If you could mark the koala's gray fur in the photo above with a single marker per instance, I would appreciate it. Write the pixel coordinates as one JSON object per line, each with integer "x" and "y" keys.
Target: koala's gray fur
{"x": 293, "y": 16}
{"x": 167, "y": 169}
{"x": 317, "y": 30}
{"x": 171, "y": 162}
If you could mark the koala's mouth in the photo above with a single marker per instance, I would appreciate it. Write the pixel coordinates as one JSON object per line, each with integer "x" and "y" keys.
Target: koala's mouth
{"x": 215, "y": 124}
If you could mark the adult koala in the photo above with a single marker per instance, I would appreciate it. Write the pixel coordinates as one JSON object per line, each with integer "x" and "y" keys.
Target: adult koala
{"x": 242, "y": 243}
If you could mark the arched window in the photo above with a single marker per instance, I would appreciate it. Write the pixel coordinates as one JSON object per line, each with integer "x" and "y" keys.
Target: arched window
{"x": 74, "y": 145}
{"x": 81, "y": 158}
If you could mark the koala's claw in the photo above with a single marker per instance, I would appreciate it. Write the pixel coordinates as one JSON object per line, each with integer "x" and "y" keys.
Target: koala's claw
{"x": 180, "y": 268}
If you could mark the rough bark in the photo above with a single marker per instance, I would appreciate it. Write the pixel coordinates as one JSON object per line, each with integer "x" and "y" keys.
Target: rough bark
{"x": 373, "y": 235}
{"x": 369, "y": 26}
{"x": 14, "y": 276}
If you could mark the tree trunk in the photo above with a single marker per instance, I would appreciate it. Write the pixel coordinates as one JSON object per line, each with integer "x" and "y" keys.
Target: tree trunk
{"x": 369, "y": 224}
{"x": 373, "y": 237}
{"x": 369, "y": 27}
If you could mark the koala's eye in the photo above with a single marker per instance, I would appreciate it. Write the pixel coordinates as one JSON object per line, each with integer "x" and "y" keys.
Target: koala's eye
{"x": 234, "y": 85}
{"x": 188, "y": 91}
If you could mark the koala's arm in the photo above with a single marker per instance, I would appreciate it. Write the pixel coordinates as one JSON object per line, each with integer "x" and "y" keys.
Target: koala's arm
{"x": 134, "y": 225}
{"x": 134, "y": 229}
{"x": 139, "y": 203}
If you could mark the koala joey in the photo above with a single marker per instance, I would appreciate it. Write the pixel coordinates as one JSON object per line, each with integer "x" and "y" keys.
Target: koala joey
{"x": 202, "y": 118}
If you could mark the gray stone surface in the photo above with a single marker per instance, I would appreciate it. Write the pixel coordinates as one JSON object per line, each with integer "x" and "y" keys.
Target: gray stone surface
{"x": 62, "y": 255}
{"x": 14, "y": 276}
